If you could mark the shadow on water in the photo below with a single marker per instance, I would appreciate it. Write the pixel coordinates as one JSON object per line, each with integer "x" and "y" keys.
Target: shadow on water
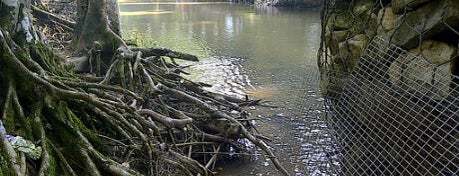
{"x": 266, "y": 53}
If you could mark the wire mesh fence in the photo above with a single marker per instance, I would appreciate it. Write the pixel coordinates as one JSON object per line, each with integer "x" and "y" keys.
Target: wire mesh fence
{"x": 392, "y": 92}
{"x": 396, "y": 119}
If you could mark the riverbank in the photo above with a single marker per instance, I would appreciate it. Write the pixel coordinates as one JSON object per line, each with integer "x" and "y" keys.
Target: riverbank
{"x": 290, "y": 3}
{"x": 192, "y": 127}
{"x": 245, "y": 50}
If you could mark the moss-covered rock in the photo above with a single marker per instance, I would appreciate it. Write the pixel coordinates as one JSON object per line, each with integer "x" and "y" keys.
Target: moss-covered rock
{"x": 387, "y": 19}
{"x": 400, "y": 6}
{"x": 428, "y": 21}
{"x": 394, "y": 107}
{"x": 431, "y": 67}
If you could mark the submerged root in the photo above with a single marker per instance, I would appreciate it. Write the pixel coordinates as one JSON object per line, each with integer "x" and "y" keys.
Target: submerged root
{"x": 141, "y": 118}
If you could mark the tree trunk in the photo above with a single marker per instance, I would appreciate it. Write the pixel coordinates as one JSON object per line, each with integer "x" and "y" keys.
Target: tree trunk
{"x": 37, "y": 121}
{"x": 113, "y": 12}
{"x": 98, "y": 21}
{"x": 21, "y": 28}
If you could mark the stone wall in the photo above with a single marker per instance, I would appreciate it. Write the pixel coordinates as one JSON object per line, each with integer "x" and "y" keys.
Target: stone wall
{"x": 390, "y": 71}
{"x": 426, "y": 28}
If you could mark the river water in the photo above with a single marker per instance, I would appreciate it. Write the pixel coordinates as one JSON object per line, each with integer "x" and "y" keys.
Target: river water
{"x": 264, "y": 52}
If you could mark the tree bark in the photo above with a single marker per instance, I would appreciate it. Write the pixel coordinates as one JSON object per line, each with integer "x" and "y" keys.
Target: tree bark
{"x": 113, "y": 13}
{"x": 98, "y": 21}
{"x": 21, "y": 26}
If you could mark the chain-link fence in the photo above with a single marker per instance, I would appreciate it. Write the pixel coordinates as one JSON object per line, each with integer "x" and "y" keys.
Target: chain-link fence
{"x": 389, "y": 73}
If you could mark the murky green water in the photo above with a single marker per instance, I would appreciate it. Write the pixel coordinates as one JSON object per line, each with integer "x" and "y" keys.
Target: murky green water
{"x": 267, "y": 53}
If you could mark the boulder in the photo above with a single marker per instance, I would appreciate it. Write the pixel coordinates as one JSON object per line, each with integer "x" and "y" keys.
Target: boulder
{"x": 399, "y": 6}
{"x": 427, "y": 21}
{"x": 324, "y": 83}
{"x": 351, "y": 50}
{"x": 387, "y": 19}
{"x": 341, "y": 21}
{"x": 357, "y": 45}
{"x": 362, "y": 6}
{"x": 334, "y": 38}
{"x": 426, "y": 69}
{"x": 364, "y": 22}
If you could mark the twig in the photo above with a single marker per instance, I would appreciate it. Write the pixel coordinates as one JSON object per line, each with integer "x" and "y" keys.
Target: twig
{"x": 195, "y": 143}
{"x": 216, "y": 113}
{"x": 213, "y": 159}
{"x": 166, "y": 121}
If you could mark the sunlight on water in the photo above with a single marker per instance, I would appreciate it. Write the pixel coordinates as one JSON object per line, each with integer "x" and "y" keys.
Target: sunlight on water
{"x": 226, "y": 77}
{"x": 168, "y": 3}
{"x": 262, "y": 52}
{"x": 262, "y": 92}
{"x": 136, "y": 13}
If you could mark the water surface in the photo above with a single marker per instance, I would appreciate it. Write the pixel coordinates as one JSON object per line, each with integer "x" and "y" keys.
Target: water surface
{"x": 267, "y": 53}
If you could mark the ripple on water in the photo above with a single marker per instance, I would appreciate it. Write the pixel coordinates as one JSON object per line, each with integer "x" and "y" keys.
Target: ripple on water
{"x": 225, "y": 74}
{"x": 275, "y": 71}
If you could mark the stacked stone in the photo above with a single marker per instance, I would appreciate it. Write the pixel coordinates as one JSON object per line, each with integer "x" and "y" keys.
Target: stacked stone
{"x": 423, "y": 27}
{"x": 402, "y": 117}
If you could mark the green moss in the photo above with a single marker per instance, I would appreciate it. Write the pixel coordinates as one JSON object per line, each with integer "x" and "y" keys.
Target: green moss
{"x": 5, "y": 166}
{"x": 9, "y": 121}
{"x": 63, "y": 136}
{"x": 137, "y": 38}
{"x": 46, "y": 58}
{"x": 82, "y": 127}
{"x": 75, "y": 122}
{"x": 53, "y": 165}
{"x": 6, "y": 17}
{"x": 21, "y": 54}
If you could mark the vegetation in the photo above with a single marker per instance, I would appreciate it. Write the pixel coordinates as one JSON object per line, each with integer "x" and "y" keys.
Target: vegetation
{"x": 129, "y": 113}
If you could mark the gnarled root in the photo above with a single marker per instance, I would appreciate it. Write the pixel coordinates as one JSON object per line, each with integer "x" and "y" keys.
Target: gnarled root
{"x": 142, "y": 118}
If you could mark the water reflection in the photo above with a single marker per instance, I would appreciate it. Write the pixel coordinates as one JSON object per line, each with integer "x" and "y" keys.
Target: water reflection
{"x": 229, "y": 25}
{"x": 226, "y": 75}
{"x": 265, "y": 52}
{"x": 136, "y": 13}
{"x": 229, "y": 29}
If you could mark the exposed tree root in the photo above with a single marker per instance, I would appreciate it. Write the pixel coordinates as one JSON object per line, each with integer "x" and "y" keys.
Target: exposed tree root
{"x": 46, "y": 17}
{"x": 142, "y": 114}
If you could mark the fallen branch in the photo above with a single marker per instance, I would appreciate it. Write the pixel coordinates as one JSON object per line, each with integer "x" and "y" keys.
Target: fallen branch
{"x": 46, "y": 17}
{"x": 166, "y": 121}
{"x": 160, "y": 51}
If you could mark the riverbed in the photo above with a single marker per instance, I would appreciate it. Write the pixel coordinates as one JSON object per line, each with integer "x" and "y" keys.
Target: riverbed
{"x": 264, "y": 52}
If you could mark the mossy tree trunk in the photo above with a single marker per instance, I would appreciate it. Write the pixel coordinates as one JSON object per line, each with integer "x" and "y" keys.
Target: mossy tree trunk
{"x": 98, "y": 21}
{"x": 39, "y": 108}
{"x": 25, "y": 95}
